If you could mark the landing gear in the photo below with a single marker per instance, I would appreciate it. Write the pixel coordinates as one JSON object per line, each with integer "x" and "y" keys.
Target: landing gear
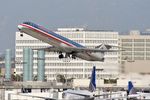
{"x": 67, "y": 55}
{"x": 73, "y": 57}
{"x": 61, "y": 56}
{"x": 103, "y": 59}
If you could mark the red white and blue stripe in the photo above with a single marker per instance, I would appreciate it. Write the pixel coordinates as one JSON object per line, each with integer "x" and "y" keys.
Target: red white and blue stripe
{"x": 50, "y": 34}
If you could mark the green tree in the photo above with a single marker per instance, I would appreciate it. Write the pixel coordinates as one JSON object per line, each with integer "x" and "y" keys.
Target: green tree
{"x": 70, "y": 79}
{"x": 35, "y": 78}
{"x": 16, "y": 77}
{"x": 60, "y": 78}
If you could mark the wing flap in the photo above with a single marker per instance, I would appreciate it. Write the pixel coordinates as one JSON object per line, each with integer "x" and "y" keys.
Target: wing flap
{"x": 40, "y": 97}
{"x": 84, "y": 93}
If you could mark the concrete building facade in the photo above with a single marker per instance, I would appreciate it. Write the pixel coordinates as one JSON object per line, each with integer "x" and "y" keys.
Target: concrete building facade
{"x": 71, "y": 68}
{"x": 136, "y": 56}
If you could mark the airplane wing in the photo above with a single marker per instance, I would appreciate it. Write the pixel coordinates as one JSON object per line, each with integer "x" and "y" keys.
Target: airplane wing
{"x": 76, "y": 49}
{"x": 139, "y": 95}
{"x": 49, "y": 49}
{"x": 105, "y": 94}
{"x": 84, "y": 93}
{"x": 40, "y": 97}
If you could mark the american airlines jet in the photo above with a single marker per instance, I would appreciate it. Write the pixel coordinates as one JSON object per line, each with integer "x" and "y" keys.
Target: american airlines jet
{"x": 63, "y": 45}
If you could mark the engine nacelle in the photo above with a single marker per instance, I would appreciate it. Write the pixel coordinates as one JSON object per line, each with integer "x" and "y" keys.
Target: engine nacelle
{"x": 98, "y": 56}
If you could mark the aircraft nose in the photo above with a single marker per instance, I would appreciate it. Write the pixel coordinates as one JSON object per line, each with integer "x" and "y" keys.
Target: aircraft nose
{"x": 20, "y": 27}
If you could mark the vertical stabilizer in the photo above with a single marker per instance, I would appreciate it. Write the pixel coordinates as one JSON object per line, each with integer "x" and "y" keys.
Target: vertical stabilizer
{"x": 131, "y": 89}
{"x": 92, "y": 85}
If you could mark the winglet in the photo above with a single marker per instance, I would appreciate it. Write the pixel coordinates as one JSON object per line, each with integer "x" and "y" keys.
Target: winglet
{"x": 92, "y": 85}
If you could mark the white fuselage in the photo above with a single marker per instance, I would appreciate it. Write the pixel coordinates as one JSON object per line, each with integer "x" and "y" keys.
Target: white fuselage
{"x": 139, "y": 95}
{"x": 59, "y": 43}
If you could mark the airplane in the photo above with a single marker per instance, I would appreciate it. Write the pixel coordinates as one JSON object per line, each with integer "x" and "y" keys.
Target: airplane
{"x": 89, "y": 94}
{"x": 63, "y": 45}
{"x": 76, "y": 94}
{"x": 133, "y": 94}
{"x": 72, "y": 94}
{"x": 83, "y": 94}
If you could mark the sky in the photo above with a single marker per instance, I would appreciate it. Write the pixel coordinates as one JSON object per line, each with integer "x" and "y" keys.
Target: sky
{"x": 117, "y": 15}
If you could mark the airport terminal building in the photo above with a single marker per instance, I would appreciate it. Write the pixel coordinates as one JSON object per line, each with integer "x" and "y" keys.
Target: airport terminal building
{"x": 136, "y": 57}
{"x": 71, "y": 68}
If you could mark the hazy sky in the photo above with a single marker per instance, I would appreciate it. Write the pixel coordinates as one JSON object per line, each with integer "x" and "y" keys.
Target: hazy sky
{"x": 117, "y": 15}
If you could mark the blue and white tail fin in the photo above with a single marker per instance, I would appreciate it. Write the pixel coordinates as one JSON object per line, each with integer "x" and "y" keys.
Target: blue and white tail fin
{"x": 92, "y": 85}
{"x": 131, "y": 89}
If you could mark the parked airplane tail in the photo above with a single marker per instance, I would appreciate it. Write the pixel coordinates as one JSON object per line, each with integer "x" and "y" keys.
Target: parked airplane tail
{"x": 92, "y": 85}
{"x": 131, "y": 89}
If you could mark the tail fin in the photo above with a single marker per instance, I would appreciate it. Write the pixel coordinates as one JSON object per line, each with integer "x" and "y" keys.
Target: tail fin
{"x": 104, "y": 46}
{"x": 92, "y": 85}
{"x": 131, "y": 89}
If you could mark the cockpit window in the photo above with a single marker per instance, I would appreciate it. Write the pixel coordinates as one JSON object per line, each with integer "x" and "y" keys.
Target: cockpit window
{"x": 27, "y": 23}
